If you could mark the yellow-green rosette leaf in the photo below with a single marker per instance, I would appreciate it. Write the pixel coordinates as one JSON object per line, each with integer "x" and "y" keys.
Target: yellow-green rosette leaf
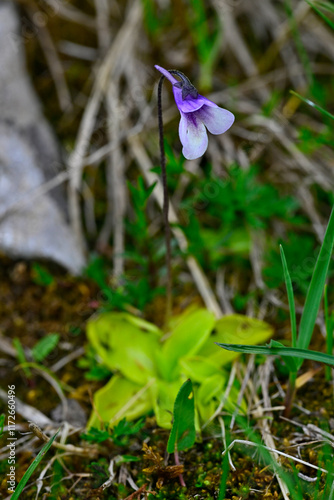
{"x": 125, "y": 343}
{"x": 186, "y": 338}
{"x": 120, "y": 398}
{"x": 234, "y": 329}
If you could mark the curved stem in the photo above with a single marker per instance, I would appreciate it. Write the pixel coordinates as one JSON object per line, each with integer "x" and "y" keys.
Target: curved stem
{"x": 165, "y": 205}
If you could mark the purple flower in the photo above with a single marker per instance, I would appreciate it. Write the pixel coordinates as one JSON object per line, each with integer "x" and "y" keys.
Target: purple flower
{"x": 197, "y": 114}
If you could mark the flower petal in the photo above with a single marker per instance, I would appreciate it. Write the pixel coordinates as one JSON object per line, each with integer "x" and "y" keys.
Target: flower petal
{"x": 193, "y": 136}
{"x": 166, "y": 74}
{"x": 217, "y": 120}
{"x": 189, "y": 104}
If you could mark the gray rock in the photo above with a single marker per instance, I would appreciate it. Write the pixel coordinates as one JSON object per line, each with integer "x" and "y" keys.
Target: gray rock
{"x": 30, "y": 226}
{"x": 74, "y": 414}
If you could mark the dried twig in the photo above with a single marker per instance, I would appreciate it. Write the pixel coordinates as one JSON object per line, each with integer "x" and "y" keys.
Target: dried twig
{"x": 51, "y": 56}
{"x": 89, "y": 451}
{"x": 113, "y": 62}
{"x": 138, "y": 492}
{"x": 71, "y": 13}
{"x": 115, "y": 186}
{"x": 102, "y": 23}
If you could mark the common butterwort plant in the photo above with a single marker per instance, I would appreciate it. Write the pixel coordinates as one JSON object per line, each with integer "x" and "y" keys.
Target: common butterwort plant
{"x": 198, "y": 114}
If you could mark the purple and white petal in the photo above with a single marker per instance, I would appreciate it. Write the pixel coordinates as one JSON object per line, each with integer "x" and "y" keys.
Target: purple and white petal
{"x": 193, "y": 136}
{"x": 189, "y": 104}
{"x": 167, "y": 74}
{"x": 206, "y": 102}
{"x": 217, "y": 120}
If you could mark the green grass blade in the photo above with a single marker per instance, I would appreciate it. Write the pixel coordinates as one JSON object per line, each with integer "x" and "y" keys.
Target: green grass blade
{"x": 316, "y": 288}
{"x": 281, "y": 351}
{"x": 321, "y": 14}
{"x": 325, "y": 5}
{"x": 313, "y": 104}
{"x": 32, "y": 468}
{"x": 329, "y": 332}
{"x": 291, "y": 298}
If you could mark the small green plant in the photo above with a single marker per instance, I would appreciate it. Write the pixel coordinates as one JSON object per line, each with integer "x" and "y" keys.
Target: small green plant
{"x": 123, "y": 429}
{"x": 95, "y": 370}
{"x": 45, "y": 346}
{"x": 219, "y": 215}
{"x": 94, "y": 435}
{"x": 119, "y": 434}
{"x": 100, "y": 472}
{"x": 41, "y": 275}
{"x": 138, "y": 287}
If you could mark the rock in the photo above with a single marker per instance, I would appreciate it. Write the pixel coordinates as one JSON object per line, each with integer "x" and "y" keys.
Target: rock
{"x": 31, "y": 226}
{"x": 74, "y": 414}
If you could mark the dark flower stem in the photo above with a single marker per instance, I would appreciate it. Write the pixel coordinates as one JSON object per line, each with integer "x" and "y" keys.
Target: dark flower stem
{"x": 165, "y": 205}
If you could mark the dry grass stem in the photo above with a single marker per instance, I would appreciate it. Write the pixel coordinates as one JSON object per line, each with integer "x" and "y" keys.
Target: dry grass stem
{"x": 112, "y": 64}
{"x": 53, "y": 61}
{"x": 90, "y": 451}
